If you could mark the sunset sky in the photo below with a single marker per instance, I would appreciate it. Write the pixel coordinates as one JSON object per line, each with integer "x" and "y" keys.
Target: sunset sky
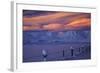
{"x": 52, "y": 20}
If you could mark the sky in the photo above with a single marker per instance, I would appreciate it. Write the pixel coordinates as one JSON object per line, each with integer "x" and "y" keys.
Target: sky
{"x": 55, "y": 20}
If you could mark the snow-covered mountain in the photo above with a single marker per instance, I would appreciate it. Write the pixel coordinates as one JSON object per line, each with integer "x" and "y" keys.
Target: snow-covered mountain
{"x": 43, "y": 37}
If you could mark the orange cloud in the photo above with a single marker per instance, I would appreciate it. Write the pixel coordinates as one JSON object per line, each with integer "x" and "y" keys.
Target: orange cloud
{"x": 77, "y": 23}
{"x": 83, "y": 22}
{"x": 33, "y": 27}
{"x": 72, "y": 21}
{"x": 78, "y": 16}
{"x": 46, "y": 18}
{"x": 53, "y": 26}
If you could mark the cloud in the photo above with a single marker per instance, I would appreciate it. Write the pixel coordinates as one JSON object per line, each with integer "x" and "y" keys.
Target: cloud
{"x": 46, "y": 18}
{"x": 32, "y": 27}
{"x": 83, "y": 22}
{"x": 53, "y": 26}
{"x": 57, "y": 21}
